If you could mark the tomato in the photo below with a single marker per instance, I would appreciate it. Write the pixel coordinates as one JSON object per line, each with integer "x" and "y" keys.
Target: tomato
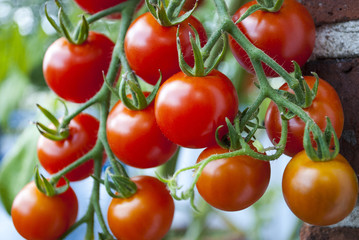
{"x": 56, "y": 155}
{"x": 287, "y": 35}
{"x": 37, "y": 216}
{"x": 94, "y": 6}
{"x": 232, "y": 184}
{"x": 146, "y": 215}
{"x": 150, "y": 47}
{"x": 135, "y": 138}
{"x": 326, "y": 103}
{"x": 188, "y": 109}
{"x": 74, "y": 72}
{"x": 320, "y": 193}
{"x": 189, "y": 4}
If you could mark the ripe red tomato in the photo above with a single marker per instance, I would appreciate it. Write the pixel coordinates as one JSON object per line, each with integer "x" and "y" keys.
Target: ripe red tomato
{"x": 326, "y": 103}
{"x": 147, "y": 215}
{"x": 320, "y": 193}
{"x": 286, "y": 35}
{"x": 232, "y": 184}
{"x": 189, "y": 4}
{"x": 94, "y": 6}
{"x": 37, "y": 216}
{"x": 188, "y": 109}
{"x": 150, "y": 47}
{"x": 135, "y": 138}
{"x": 56, "y": 155}
{"x": 74, "y": 72}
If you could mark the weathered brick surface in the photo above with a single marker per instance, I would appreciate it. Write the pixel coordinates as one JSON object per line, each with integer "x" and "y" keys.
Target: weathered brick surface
{"x": 309, "y": 232}
{"x": 343, "y": 75}
{"x": 332, "y": 11}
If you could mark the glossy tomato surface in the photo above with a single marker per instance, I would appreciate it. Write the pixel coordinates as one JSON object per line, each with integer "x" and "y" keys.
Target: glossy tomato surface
{"x": 56, "y": 155}
{"x": 188, "y": 110}
{"x": 95, "y": 6}
{"x": 320, "y": 193}
{"x": 147, "y": 215}
{"x": 232, "y": 184}
{"x": 326, "y": 103}
{"x": 136, "y": 139}
{"x": 150, "y": 47}
{"x": 37, "y": 216}
{"x": 75, "y": 72}
{"x": 287, "y": 35}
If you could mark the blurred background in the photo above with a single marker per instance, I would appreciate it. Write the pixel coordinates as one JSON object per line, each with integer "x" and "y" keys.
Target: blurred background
{"x": 25, "y": 35}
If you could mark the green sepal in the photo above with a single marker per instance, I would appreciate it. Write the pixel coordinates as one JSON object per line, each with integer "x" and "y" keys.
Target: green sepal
{"x": 138, "y": 101}
{"x": 52, "y": 21}
{"x": 154, "y": 91}
{"x": 263, "y": 5}
{"x": 46, "y": 187}
{"x": 233, "y": 135}
{"x": 49, "y": 116}
{"x": 125, "y": 188}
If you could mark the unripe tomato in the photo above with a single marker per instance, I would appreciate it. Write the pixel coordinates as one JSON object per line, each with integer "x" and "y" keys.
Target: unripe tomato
{"x": 320, "y": 193}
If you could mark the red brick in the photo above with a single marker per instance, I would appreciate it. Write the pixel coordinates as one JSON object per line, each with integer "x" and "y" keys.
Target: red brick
{"x": 309, "y": 232}
{"x": 332, "y": 11}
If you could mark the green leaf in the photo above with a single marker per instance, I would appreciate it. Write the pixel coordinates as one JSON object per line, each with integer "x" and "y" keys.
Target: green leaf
{"x": 17, "y": 166}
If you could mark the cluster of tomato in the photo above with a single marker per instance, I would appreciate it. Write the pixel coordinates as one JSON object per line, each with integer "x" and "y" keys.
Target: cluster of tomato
{"x": 186, "y": 112}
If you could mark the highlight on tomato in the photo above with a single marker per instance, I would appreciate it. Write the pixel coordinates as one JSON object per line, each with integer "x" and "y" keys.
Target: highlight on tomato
{"x": 150, "y": 47}
{"x": 322, "y": 192}
{"x": 232, "y": 184}
{"x": 75, "y": 72}
{"x": 147, "y": 215}
{"x": 37, "y": 216}
{"x": 135, "y": 138}
{"x": 188, "y": 110}
{"x": 287, "y": 35}
{"x": 56, "y": 155}
{"x": 318, "y": 110}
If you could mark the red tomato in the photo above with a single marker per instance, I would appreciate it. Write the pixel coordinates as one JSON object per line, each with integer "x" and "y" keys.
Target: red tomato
{"x": 232, "y": 184}
{"x": 135, "y": 138}
{"x": 74, "y": 72}
{"x": 37, "y": 216}
{"x": 56, "y": 155}
{"x": 286, "y": 35}
{"x": 188, "y": 110}
{"x": 189, "y": 4}
{"x": 320, "y": 193}
{"x": 326, "y": 103}
{"x": 150, "y": 47}
{"x": 94, "y": 6}
{"x": 147, "y": 215}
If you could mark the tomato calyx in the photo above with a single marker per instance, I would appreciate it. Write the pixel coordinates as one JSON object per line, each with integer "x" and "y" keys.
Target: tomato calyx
{"x": 136, "y": 100}
{"x": 47, "y": 187}
{"x": 323, "y": 150}
{"x": 168, "y": 13}
{"x": 65, "y": 26}
{"x": 262, "y": 5}
{"x": 204, "y": 62}
{"x": 57, "y": 132}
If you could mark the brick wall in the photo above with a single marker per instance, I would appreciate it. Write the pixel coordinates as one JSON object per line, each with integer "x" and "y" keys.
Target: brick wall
{"x": 336, "y": 59}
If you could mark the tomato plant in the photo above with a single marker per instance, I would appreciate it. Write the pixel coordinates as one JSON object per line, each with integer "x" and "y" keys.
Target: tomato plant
{"x": 188, "y": 109}
{"x": 287, "y": 35}
{"x": 74, "y": 72}
{"x": 37, "y": 216}
{"x": 128, "y": 131}
{"x": 232, "y": 184}
{"x": 150, "y": 47}
{"x": 189, "y": 4}
{"x": 56, "y": 155}
{"x": 320, "y": 193}
{"x": 146, "y": 215}
{"x": 319, "y": 108}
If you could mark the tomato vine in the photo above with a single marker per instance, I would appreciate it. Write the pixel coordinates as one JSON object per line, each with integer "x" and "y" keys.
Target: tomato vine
{"x": 224, "y": 127}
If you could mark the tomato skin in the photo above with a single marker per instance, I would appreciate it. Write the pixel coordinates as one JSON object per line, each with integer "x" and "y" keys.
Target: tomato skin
{"x": 147, "y": 215}
{"x": 321, "y": 107}
{"x": 135, "y": 138}
{"x": 38, "y": 217}
{"x": 74, "y": 72}
{"x": 320, "y": 193}
{"x": 232, "y": 184}
{"x": 189, "y": 4}
{"x": 286, "y": 35}
{"x": 94, "y": 6}
{"x": 56, "y": 155}
{"x": 150, "y": 47}
{"x": 188, "y": 109}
